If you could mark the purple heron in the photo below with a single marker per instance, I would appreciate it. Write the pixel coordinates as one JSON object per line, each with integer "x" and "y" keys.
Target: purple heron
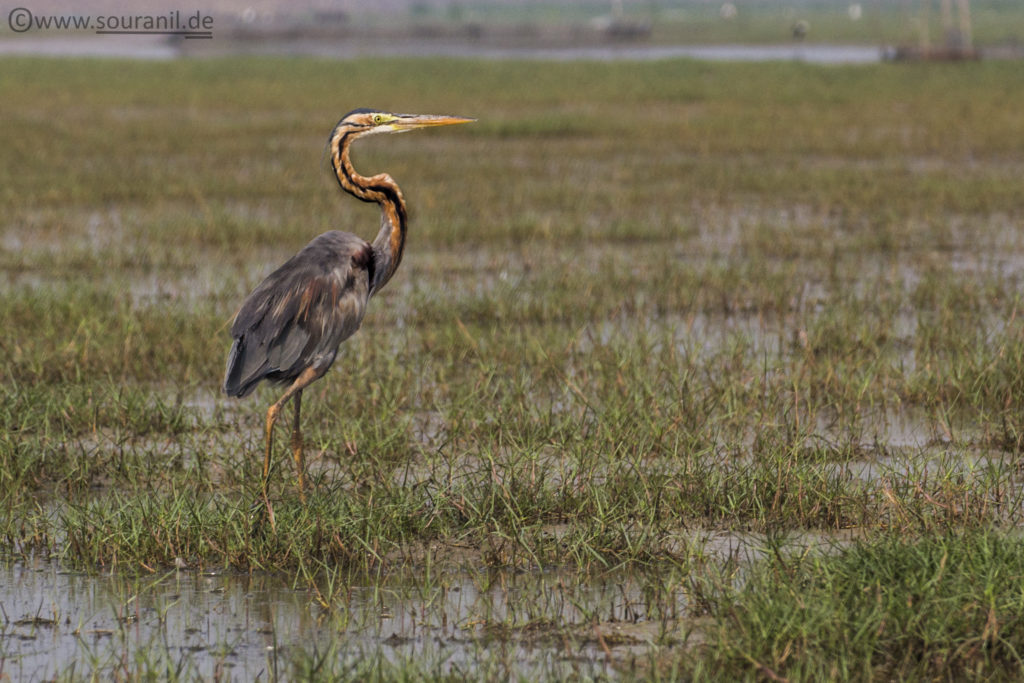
{"x": 289, "y": 328}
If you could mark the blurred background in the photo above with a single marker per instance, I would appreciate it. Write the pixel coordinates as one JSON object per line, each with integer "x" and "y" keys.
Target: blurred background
{"x": 635, "y": 29}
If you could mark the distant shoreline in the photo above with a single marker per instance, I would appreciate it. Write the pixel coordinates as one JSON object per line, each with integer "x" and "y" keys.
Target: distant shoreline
{"x": 160, "y": 48}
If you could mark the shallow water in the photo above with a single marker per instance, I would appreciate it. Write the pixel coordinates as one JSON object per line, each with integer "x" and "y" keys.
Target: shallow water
{"x": 156, "y": 48}
{"x": 814, "y": 54}
{"x": 204, "y": 625}
{"x": 251, "y": 627}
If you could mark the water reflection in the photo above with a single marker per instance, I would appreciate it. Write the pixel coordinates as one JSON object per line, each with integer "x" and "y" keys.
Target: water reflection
{"x": 255, "y": 627}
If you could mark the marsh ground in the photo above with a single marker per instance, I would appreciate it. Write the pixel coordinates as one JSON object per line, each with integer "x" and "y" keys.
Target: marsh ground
{"x": 743, "y": 340}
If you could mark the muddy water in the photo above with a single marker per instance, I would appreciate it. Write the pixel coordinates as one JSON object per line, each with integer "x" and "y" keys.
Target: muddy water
{"x": 57, "y": 623}
{"x": 239, "y": 627}
{"x": 461, "y": 622}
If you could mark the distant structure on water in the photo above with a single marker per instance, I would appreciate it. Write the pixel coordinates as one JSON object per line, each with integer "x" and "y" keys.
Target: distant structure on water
{"x": 957, "y": 43}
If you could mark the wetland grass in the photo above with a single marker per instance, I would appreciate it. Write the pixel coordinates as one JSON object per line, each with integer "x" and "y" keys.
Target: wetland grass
{"x": 768, "y": 301}
{"x": 946, "y": 605}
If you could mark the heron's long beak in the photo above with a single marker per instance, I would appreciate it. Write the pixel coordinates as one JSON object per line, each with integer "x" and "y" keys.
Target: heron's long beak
{"x": 412, "y": 121}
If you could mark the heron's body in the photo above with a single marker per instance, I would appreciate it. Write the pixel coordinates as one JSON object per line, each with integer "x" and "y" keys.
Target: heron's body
{"x": 289, "y": 328}
{"x": 296, "y": 318}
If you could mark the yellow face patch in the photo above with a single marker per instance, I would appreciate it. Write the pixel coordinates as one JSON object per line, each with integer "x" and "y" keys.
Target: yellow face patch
{"x": 379, "y": 119}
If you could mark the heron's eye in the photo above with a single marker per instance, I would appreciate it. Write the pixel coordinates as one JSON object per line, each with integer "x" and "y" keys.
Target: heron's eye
{"x": 378, "y": 119}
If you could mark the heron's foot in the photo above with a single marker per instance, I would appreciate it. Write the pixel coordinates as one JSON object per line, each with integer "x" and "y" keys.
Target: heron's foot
{"x": 261, "y": 513}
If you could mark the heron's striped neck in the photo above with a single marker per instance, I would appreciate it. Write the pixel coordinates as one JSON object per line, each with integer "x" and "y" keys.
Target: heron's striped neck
{"x": 382, "y": 189}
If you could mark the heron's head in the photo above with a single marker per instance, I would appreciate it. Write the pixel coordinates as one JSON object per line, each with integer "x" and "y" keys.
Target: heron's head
{"x": 370, "y": 122}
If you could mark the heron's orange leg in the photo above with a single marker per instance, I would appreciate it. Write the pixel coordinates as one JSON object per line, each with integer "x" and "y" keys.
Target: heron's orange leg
{"x": 300, "y": 466}
{"x": 272, "y": 412}
{"x": 307, "y": 377}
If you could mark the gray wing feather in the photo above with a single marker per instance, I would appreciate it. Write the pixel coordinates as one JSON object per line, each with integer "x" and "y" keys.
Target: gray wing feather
{"x": 300, "y": 313}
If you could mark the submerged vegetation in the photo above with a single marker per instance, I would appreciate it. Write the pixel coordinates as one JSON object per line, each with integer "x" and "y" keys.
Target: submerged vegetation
{"x": 643, "y": 307}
